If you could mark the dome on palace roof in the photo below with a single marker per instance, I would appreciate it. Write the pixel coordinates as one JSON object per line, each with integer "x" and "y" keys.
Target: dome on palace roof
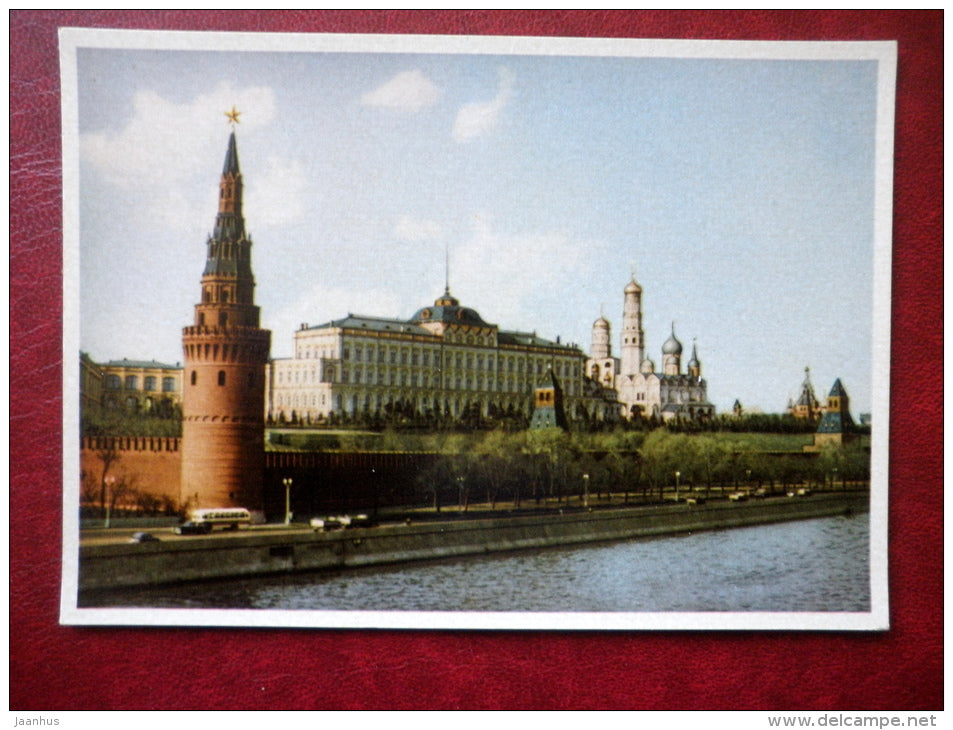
{"x": 447, "y": 309}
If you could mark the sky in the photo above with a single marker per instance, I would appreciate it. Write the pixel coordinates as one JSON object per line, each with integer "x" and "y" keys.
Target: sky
{"x": 739, "y": 192}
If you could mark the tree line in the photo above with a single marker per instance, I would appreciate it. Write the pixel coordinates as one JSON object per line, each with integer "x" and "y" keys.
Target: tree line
{"x": 572, "y": 468}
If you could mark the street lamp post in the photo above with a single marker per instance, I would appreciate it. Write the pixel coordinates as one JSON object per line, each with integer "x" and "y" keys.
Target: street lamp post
{"x": 678, "y": 474}
{"x": 585, "y": 491}
{"x": 110, "y": 482}
{"x": 287, "y": 482}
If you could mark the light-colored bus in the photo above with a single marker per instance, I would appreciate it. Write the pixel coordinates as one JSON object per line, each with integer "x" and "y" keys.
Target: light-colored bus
{"x": 231, "y": 517}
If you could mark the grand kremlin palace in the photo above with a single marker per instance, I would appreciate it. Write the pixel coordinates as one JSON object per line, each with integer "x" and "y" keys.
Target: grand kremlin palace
{"x": 444, "y": 360}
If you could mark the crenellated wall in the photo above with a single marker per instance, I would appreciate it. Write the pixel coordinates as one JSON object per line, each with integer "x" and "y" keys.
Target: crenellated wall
{"x": 150, "y": 464}
{"x": 321, "y": 481}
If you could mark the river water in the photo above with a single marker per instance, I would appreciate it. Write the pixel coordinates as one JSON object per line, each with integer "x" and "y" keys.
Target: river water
{"x": 817, "y": 565}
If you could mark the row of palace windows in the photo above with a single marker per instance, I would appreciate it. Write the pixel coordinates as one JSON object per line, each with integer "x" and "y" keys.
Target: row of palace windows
{"x": 381, "y": 353}
{"x": 426, "y": 380}
{"x": 414, "y": 356}
{"x": 415, "y": 379}
{"x": 458, "y": 360}
{"x": 354, "y": 401}
{"x": 114, "y": 382}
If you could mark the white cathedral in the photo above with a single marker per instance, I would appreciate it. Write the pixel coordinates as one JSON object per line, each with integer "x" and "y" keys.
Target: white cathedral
{"x": 643, "y": 392}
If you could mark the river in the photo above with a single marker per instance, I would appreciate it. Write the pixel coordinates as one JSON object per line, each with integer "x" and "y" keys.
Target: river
{"x": 818, "y": 565}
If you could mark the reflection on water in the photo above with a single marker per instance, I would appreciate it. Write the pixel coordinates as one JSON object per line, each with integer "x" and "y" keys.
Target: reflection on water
{"x": 810, "y": 565}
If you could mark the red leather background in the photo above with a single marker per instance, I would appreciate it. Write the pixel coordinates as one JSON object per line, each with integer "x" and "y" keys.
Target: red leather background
{"x": 61, "y": 668}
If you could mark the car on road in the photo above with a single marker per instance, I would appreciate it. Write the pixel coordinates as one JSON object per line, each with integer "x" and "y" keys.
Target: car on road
{"x": 143, "y": 537}
{"x": 341, "y": 522}
{"x": 193, "y": 528}
{"x": 327, "y": 524}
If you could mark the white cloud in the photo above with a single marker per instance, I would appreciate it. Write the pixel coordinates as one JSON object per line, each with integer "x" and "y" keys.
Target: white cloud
{"x": 480, "y": 117}
{"x": 322, "y": 304}
{"x": 157, "y": 158}
{"x": 277, "y": 197}
{"x": 517, "y": 272}
{"x": 161, "y": 142}
{"x": 416, "y": 230}
{"x": 408, "y": 91}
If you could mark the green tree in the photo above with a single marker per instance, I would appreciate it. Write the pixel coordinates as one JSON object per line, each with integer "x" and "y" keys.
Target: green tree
{"x": 494, "y": 461}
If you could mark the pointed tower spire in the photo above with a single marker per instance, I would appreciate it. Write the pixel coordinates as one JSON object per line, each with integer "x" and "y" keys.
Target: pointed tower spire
{"x": 229, "y": 223}
{"x": 446, "y": 268}
{"x": 836, "y": 423}
{"x": 231, "y": 157}
{"x": 694, "y": 365}
{"x": 807, "y": 405}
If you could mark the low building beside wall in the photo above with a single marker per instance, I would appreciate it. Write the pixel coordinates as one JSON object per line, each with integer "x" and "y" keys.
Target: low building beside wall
{"x": 138, "y": 386}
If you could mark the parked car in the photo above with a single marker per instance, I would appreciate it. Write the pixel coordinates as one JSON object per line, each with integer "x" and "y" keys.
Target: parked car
{"x": 738, "y": 497}
{"x": 193, "y": 528}
{"x": 143, "y": 537}
{"x": 327, "y": 524}
{"x": 362, "y": 521}
{"x": 341, "y": 522}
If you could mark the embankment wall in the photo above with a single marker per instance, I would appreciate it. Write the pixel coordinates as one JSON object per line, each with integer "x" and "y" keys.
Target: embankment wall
{"x": 265, "y": 552}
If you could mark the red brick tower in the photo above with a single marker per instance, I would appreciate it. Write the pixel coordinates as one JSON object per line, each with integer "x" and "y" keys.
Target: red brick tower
{"x": 225, "y": 355}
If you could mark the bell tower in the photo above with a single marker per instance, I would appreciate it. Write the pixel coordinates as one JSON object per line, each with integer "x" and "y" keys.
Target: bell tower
{"x": 632, "y": 334}
{"x": 225, "y": 353}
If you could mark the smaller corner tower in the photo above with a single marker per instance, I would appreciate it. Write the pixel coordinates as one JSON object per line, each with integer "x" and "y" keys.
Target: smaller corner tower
{"x": 836, "y": 424}
{"x": 548, "y": 408}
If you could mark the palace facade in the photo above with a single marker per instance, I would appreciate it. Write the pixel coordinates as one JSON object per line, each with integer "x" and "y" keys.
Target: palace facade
{"x": 445, "y": 360}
